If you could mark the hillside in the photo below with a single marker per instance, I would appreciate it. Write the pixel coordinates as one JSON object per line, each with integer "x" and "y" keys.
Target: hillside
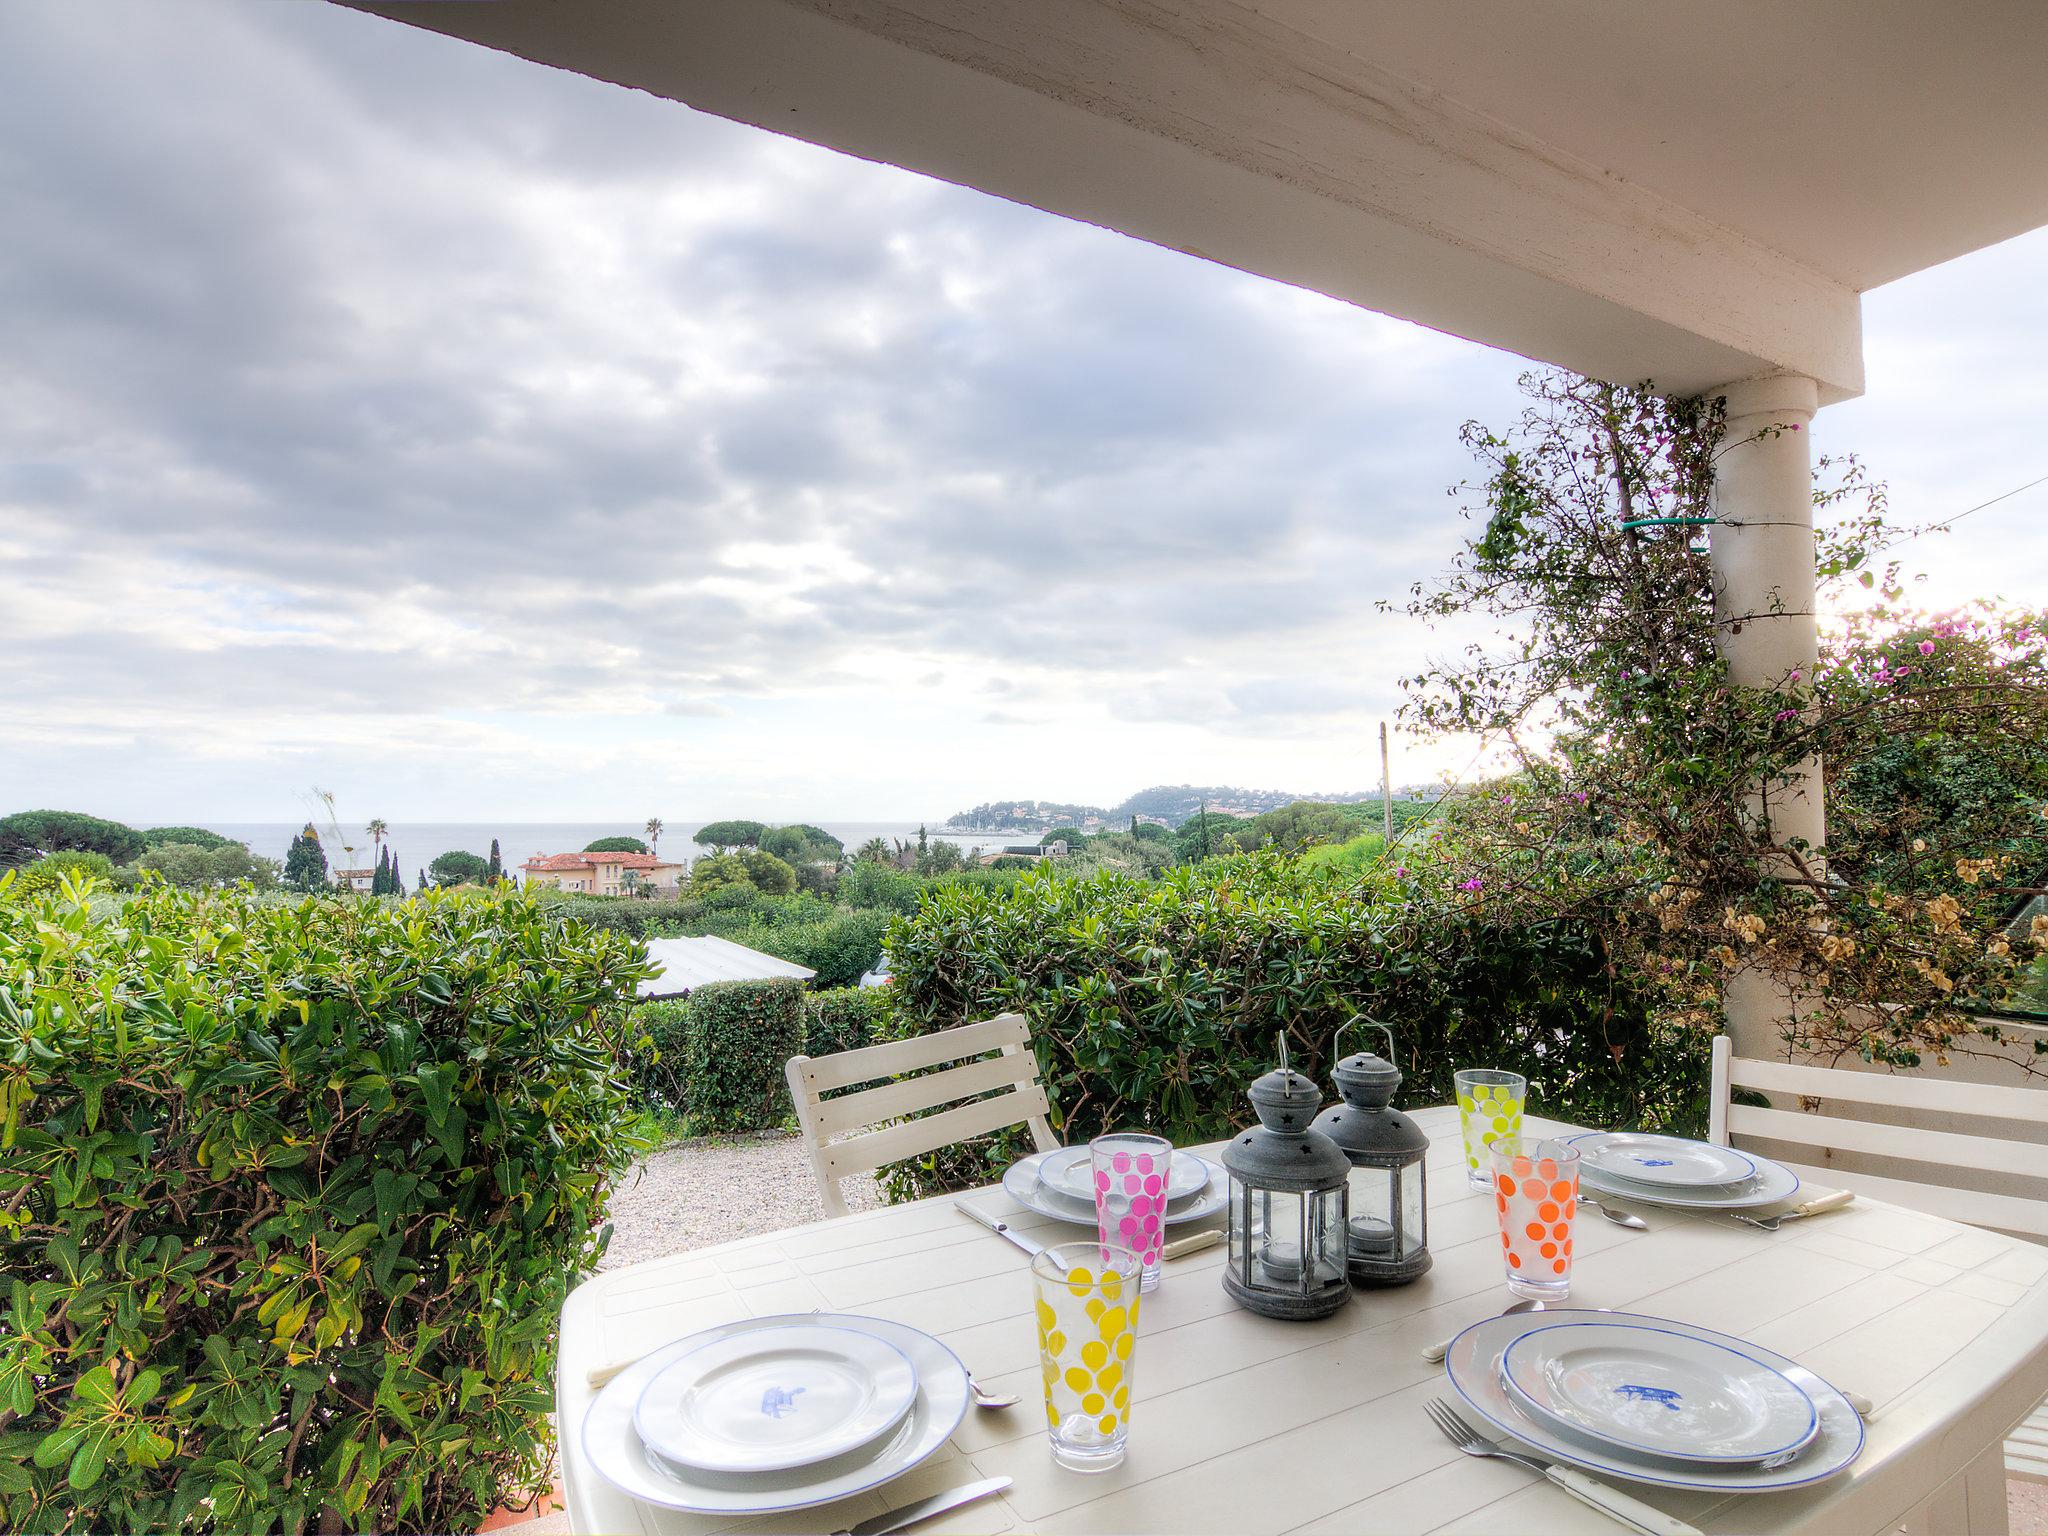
{"x": 1170, "y": 803}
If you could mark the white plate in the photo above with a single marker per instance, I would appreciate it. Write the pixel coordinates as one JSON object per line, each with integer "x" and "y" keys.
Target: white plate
{"x": 1021, "y": 1184}
{"x": 1770, "y": 1185}
{"x": 775, "y": 1398}
{"x": 616, "y": 1454}
{"x": 1472, "y": 1366}
{"x": 1660, "y": 1393}
{"x": 1662, "y": 1160}
{"x": 1071, "y": 1171}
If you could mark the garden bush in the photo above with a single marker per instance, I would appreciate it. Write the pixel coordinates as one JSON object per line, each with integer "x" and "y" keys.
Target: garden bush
{"x": 659, "y": 1031}
{"x": 844, "y": 1019}
{"x": 1154, "y": 1004}
{"x": 290, "y": 1197}
{"x": 736, "y": 1037}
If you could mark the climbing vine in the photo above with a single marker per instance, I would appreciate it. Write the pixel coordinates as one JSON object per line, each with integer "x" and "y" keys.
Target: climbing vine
{"x": 1631, "y": 802}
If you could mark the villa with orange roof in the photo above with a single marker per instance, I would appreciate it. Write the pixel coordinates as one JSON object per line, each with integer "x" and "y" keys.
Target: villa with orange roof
{"x": 604, "y": 874}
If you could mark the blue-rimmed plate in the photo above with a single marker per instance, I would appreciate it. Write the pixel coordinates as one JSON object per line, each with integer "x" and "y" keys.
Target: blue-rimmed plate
{"x": 1659, "y": 1392}
{"x": 1771, "y": 1184}
{"x": 1472, "y": 1366}
{"x": 775, "y": 1398}
{"x": 616, "y": 1452}
{"x": 1022, "y": 1184}
{"x": 1672, "y": 1161}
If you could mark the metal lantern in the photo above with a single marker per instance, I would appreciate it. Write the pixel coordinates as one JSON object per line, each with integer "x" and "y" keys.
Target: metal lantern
{"x": 1388, "y": 1225}
{"x": 1288, "y": 1204}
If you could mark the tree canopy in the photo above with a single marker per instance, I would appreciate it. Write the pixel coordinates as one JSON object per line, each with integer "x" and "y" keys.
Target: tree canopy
{"x": 458, "y": 867}
{"x": 305, "y": 862}
{"x": 197, "y": 837}
{"x": 723, "y": 835}
{"x": 616, "y": 845}
{"x": 28, "y": 835}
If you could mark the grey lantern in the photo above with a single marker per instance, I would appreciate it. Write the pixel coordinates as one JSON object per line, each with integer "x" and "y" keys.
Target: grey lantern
{"x": 1389, "y": 1236}
{"x": 1288, "y": 1204}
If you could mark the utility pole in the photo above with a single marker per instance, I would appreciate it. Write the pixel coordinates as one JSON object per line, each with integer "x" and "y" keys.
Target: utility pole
{"x": 1386, "y": 786}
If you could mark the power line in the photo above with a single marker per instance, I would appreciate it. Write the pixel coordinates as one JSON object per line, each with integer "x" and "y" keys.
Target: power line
{"x": 1949, "y": 522}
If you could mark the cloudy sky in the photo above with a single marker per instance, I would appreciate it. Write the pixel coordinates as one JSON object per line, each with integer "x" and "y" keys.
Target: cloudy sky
{"x": 480, "y": 441}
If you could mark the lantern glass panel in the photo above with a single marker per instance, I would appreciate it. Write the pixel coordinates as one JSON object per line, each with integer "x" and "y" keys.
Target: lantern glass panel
{"x": 1327, "y": 1235}
{"x": 1279, "y": 1239}
{"x": 1372, "y": 1207}
{"x": 1412, "y": 1220}
{"x": 1240, "y": 1224}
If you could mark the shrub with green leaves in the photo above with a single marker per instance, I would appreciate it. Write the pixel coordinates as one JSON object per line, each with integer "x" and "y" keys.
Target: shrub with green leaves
{"x": 844, "y": 1019}
{"x": 1154, "y": 1004}
{"x": 290, "y": 1197}
{"x": 736, "y": 1038}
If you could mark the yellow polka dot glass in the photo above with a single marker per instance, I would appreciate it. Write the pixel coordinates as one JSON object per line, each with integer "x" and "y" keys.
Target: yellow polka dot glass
{"x": 1085, "y": 1296}
{"x": 1489, "y": 1108}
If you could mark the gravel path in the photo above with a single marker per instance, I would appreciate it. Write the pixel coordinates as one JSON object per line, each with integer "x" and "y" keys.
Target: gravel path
{"x": 696, "y": 1193}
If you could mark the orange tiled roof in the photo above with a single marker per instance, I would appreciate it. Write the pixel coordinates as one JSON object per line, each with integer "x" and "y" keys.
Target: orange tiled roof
{"x": 587, "y": 860}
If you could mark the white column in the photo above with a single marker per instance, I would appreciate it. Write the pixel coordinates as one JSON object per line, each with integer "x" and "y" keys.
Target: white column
{"x": 1764, "y": 613}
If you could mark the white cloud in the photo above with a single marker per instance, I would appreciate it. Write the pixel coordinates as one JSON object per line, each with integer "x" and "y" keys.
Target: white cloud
{"x": 593, "y": 455}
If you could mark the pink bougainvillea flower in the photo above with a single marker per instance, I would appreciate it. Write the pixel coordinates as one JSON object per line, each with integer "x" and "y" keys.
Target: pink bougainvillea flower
{"x": 1926, "y": 647}
{"x": 1474, "y": 884}
{"x": 1788, "y": 714}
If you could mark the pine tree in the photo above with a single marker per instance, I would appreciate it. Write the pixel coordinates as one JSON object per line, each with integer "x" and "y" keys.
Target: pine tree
{"x": 305, "y": 862}
{"x": 496, "y": 871}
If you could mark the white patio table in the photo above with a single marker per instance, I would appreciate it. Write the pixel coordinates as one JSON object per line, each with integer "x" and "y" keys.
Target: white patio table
{"x": 1243, "y": 1424}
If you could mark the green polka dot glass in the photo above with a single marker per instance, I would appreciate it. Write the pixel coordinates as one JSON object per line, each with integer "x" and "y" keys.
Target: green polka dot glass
{"x": 1489, "y": 1109}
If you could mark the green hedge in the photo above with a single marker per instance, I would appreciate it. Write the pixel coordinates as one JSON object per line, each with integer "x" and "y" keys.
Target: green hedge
{"x": 659, "y": 1032}
{"x": 1155, "y": 1003}
{"x": 736, "y": 1038}
{"x": 290, "y": 1197}
{"x": 844, "y": 1019}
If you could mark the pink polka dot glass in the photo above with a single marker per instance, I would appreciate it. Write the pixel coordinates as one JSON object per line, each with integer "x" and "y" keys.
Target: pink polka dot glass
{"x": 1130, "y": 1196}
{"x": 1536, "y": 1191}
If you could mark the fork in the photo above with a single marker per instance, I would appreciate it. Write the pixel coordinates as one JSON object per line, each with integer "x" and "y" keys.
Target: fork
{"x": 1644, "y": 1519}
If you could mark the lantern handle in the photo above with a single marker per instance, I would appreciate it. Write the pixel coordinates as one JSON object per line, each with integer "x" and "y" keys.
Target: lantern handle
{"x": 1280, "y": 1039}
{"x": 1337, "y": 1044}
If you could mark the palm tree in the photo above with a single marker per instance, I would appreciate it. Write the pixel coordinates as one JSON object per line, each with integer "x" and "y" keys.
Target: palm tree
{"x": 875, "y": 850}
{"x": 377, "y": 829}
{"x": 654, "y": 831}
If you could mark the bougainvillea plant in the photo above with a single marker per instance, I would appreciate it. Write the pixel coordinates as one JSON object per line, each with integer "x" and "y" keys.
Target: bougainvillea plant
{"x": 1633, "y": 756}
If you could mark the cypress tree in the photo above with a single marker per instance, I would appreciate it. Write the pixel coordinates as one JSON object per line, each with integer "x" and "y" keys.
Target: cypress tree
{"x": 496, "y": 872}
{"x": 305, "y": 862}
{"x": 423, "y": 881}
{"x": 397, "y": 881}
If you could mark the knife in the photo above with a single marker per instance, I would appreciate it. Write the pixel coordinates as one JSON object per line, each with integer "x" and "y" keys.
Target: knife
{"x": 909, "y": 1514}
{"x": 1001, "y": 1229}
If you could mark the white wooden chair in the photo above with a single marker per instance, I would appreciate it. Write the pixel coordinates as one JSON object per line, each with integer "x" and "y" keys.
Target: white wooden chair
{"x": 852, "y": 1134}
{"x": 1826, "y": 1136}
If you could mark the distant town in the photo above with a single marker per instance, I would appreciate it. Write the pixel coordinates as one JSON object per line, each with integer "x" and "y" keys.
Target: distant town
{"x": 1165, "y": 805}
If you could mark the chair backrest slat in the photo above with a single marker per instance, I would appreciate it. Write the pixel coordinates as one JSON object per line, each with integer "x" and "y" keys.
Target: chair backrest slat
{"x": 1989, "y": 1100}
{"x": 871, "y": 1106}
{"x": 862, "y": 1154}
{"x": 1998, "y": 1108}
{"x": 967, "y": 1071}
{"x": 1952, "y": 1149}
{"x": 870, "y": 1063}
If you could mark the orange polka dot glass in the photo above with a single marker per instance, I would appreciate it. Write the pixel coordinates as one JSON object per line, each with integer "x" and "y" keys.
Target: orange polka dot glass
{"x": 1536, "y": 1191}
{"x": 1086, "y": 1299}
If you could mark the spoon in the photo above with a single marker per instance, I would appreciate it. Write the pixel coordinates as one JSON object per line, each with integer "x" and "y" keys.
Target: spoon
{"x": 1619, "y": 1218}
{"x": 1436, "y": 1352}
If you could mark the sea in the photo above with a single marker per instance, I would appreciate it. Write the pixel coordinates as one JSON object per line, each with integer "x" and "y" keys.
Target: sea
{"x": 418, "y": 843}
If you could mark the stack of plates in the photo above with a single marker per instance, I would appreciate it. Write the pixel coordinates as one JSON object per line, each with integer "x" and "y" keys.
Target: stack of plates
{"x": 1670, "y": 1170}
{"x": 1654, "y": 1401}
{"x": 1061, "y": 1184}
{"x": 775, "y": 1413}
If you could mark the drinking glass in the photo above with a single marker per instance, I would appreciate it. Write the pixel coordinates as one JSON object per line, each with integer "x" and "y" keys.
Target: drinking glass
{"x": 1489, "y": 1107}
{"x": 1087, "y": 1306}
{"x": 1536, "y": 1190}
{"x": 1132, "y": 1173}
